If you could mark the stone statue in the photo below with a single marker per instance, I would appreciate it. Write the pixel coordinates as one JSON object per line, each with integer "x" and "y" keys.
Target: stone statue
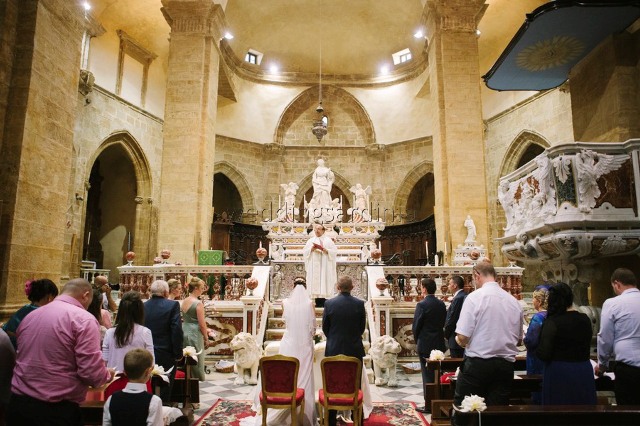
{"x": 288, "y": 212}
{"x": 471, "y": 230}
{"x": 321, "y": 207}
{"x": 590, "y": 166}
{"x": 360, "y": 209}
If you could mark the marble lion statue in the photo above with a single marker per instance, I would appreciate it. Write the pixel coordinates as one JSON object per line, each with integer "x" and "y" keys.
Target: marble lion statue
{"x": 246, "y": 354}
{"x": 384, "y": 354}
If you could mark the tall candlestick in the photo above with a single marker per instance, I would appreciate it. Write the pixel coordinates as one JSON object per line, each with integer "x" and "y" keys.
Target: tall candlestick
{"x": 426, "y": 249}
{"x": 270, "y": 212}
{"x": 445, "y": 250}
{"x": 129, "y": 242}
{"x": 260, "y": 244}
{"x": 270, "y": 255}
{"x": 379, "y": 245}
{"x": 435, "y": 259}
{"x": 89, "y": 238}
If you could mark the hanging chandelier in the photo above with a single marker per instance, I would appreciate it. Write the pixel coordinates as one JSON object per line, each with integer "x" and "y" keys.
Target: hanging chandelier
{"x": 319, "y": 128}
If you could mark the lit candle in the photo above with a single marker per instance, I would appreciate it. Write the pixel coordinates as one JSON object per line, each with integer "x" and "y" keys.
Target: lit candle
{"x": 426, "y": 249}
{"x": 379, "y": 245}
{"x": 260, "y": 244}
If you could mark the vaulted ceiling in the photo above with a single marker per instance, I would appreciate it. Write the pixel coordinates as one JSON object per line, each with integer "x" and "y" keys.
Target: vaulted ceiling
{"x": 357, "y": 36}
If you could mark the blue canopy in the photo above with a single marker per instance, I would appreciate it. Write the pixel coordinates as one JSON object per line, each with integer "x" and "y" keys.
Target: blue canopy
{"x": 554, "y": 38}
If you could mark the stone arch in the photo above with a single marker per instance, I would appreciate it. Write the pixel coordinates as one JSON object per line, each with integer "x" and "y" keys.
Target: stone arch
{"x": 302, "y": 109}
{"x": 409, "y": 181}
{"x": 239, "y": 181}
{"x": 144, "y": 234}
{"x": 517, "y": 148}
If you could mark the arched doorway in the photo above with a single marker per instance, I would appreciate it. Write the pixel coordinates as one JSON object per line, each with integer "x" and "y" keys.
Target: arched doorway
{"x": 421, "y": 200}
{"x": 111, "y": 209}
{"x": 226, "y": 198}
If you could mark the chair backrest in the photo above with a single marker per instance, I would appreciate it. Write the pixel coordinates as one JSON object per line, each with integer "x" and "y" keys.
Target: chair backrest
{"x": 279, "y": 375}
{"x": 341, "y": 376}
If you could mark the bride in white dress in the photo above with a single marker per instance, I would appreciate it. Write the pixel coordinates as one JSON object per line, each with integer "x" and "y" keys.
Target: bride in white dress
{"x": 297, "y": 342}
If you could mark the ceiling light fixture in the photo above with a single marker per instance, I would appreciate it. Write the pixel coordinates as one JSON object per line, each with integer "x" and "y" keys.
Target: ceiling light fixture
{"x": 319, "y": 128}
{"x": 273, "y": 68}
{"x": 419, "y": 34}
{"x": 384, "y": 70}
{"x": 87, "y": 6}
{"x": 228, "y": 35}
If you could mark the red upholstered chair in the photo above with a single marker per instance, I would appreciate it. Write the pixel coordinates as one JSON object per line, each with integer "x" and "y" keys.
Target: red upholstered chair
{"x": 280, "y": 390}
{"x": 341, "y": 377}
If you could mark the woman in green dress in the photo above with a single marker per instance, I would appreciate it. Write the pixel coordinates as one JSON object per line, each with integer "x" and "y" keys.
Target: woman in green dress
{"x": 194, "y": 325}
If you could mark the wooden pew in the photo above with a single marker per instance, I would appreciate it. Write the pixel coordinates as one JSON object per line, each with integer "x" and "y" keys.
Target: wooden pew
{"x": 553, "y": 415}
{"x": 438, "y": 391}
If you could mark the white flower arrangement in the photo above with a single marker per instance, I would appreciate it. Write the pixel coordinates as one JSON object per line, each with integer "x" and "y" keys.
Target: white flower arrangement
{"x": 191, "y": 351}
{"x": 473, "y": 403}
{"x": 158, "y": 370}
{"x": 436, "y": 355}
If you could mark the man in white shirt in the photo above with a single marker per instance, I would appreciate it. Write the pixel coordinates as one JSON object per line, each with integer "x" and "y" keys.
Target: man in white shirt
{"x": 620, "y": 335}
{"x": 320, "y": 263}
{"x": 489, "y": 329}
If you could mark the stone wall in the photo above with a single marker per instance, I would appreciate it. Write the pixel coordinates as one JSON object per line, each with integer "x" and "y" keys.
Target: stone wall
{"x": 105, "y": 121}
{"x": 257, "y": 170}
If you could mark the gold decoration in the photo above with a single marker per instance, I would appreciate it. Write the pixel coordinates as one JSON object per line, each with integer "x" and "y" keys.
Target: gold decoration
{"x": 550, "y": 53}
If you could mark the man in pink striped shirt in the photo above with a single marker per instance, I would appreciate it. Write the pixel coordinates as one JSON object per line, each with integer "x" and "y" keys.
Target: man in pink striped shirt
{"x": 59, "y": 358}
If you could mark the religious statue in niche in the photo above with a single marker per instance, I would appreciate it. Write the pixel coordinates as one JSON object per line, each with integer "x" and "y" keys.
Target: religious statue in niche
{"x": 321, "y": 208}
{"x": 360, "y": 212}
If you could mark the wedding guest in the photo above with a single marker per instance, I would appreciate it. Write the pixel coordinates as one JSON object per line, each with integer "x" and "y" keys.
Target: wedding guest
{"x": 67, "y": 336}
{"x": 102, "y": 283}
{"x": 134, "y": 405}
{"x": 428, "y": 329}
{"x": 99, "y": 313}
{"x": 456, "y": 287}
{"x": 7, "y": 361}
{"x": 531, "y": 340}
{"x": 194, "y": 326}
{"x": 620, "y": 335}
{"x": 564, "y": 347}
{"x": 175, "y": 289}
{"x": 162, "y": 317}
{"x": 489, "y": 329}
{"x": 39, "y": 292}
{"x": 129, "y": 332}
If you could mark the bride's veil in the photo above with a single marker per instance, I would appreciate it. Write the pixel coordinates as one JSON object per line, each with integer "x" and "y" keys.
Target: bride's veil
{"x": 299, "y": 315}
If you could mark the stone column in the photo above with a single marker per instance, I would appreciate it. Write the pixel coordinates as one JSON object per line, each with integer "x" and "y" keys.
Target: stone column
{"x": 41, "y": 39}
{"x": 186, "y": 213}
{"x": 458, "y": 145}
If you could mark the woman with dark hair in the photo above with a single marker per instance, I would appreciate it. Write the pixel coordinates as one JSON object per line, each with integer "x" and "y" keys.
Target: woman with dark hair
{"x": 129, "y": 332}
{"x": 564, "y": 347}
{"x": 39, "y": 292}
{"x": 102, "y": 315}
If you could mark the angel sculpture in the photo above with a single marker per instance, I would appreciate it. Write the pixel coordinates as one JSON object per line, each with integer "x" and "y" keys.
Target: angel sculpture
{"x": 360, "y": 212}
{"x": 289, "y": 210}
{"x": 506, "y": 193}
{"x": 590, "y": 166}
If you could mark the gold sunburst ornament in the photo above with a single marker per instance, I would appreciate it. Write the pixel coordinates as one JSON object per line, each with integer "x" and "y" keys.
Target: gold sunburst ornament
{"x": 550, "y": 53}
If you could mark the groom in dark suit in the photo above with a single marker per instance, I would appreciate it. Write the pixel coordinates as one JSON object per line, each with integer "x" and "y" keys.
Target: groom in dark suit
{"x": 456, "y": 287}
{"x": 343, "y": 322}
{"x": 162, "y": 317}
{"x": 428, "y": 324}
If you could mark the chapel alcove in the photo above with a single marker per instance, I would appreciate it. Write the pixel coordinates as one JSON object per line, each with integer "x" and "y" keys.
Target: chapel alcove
{"x": 111, "y": 210}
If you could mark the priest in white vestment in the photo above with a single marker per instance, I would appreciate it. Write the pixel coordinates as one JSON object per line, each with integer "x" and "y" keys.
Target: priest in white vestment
{"x": 320, "y": 254}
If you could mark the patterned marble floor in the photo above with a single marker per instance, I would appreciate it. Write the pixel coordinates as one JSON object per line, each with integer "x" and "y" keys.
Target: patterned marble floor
{"x": 219, "y": 385}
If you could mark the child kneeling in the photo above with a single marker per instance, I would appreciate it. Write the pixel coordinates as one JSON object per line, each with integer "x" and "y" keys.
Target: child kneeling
{"x": 134, "y": 405}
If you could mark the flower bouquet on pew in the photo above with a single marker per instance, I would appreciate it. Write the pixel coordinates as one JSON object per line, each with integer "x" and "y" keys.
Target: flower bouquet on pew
{"x": 472, "y": 403}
